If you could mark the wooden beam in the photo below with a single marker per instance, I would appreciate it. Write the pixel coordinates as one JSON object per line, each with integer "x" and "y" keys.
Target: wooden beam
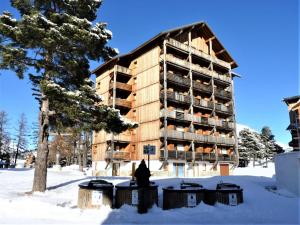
{"x": 220, "y": 52}
{"x": 210, "y": 39}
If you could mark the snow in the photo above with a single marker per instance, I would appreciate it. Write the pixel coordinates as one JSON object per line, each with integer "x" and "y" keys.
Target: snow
{"x": 58, "y": 205}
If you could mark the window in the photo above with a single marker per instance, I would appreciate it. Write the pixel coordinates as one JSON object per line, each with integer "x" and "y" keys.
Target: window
{"x": 180, "y": 147}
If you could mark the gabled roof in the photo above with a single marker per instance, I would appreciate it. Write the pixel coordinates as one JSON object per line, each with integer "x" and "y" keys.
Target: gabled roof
{"x": 292, "y": 99}
{"x": 207, "y": 33}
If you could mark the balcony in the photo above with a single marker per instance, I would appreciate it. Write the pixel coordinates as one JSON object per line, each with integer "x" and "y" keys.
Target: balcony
{"x": 177, "y": 155}
{"x": 222, "y": 77}
{"x": 199, "y": 156}
{"x": 203, "y": 103}
{"x": 222, "y": 93}
{"x": 225, "y": 124}
{"x": 222, "y": 108}
{"x": 177, "y": 79}
{"x": 122, "y": 86}
{"x": 207, "y": 139}
{"x": 122, "y": 137}
{"x": 124, "y": 70}
{"x": 202, "y": 87}
{"x": 226, "y": 158}
{"x": 185, "y": 48}
{"x": 120, "y": 102}
{"x": 117, "y": 155}
{"x": 175, "y": 97}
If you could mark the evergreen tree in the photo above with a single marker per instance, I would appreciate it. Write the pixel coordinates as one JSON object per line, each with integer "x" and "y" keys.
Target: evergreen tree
{"x": 249, "y": 145}
{"x": 56, "y": 39}
{"x": 268, "y": 139}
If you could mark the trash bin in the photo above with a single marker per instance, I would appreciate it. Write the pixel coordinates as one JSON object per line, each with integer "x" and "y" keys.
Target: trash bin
{"x": 186, "y": 195}
{"x": 229, "y": 194}
{"x": 94, "y": 194}
{"x": 130, "y": 194}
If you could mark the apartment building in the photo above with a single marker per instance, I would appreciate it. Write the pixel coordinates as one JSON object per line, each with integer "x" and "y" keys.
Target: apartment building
{"x": 293, "y": 104}
{"x": 178, "y": 86}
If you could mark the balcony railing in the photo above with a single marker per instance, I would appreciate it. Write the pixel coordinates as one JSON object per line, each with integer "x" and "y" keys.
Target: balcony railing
{"x": 178, "y": 79}
{"x": 177, "y": 155}
{"x": 117, "y": 155}
{"x": 123, "y": 137}
{"x": 122, "y": 69}
{"x": 176, "y": 97}
{"x": 209, "y": 139}
{"x": 196, "y": 52}
{"x": 225, "y": 157}
{"x": 202, "y": 87}
{"x": 119, "y": 85}
{"x": 197, "y": 68}
{"x": 223, "y": 108}
{"x": 120, "y": 102}
{"x": 199, "y": 156}
{"x": 203, "y": 103}
{"x": 222, "y": 93}
{"x": 224, "y": 124}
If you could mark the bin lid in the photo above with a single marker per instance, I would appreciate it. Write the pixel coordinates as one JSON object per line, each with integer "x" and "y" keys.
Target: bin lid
{"x": 96, "y": 185}
{"x": 228, "y": 186}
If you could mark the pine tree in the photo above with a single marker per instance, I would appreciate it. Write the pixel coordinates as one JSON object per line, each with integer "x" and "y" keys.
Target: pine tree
{"x": 268, "y": 139}
{"x": 56, "y": 39}
{"x": 249, "y": 145}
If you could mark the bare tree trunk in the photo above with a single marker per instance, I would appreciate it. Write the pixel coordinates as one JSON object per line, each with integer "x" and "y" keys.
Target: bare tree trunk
{"x": 254, "y": 158}
{"x": 40, "y": 172}
{"x": 85, "y": 149}
{"x": 79, "y": 152}
{"x": 17, "y": 153}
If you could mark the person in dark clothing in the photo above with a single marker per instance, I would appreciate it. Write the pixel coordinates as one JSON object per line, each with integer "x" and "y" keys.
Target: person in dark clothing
{"x": 142, "y": 175}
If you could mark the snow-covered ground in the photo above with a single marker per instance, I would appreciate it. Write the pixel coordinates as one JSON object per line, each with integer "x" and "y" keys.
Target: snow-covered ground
{"x": 58, "y": 205}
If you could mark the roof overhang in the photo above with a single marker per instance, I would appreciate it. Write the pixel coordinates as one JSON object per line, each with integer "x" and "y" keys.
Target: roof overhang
{"x": 207, "y": 32}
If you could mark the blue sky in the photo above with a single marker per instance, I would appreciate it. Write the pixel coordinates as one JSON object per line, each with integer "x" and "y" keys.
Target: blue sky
{"x": 261, "y": 35}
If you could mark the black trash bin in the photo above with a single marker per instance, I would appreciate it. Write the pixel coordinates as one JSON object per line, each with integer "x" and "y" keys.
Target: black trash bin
{"x": 187, "y": 195}
{"x": 131, "y": 194}
{"x": 95, "y": 193}
{"x": 229, "y": 194}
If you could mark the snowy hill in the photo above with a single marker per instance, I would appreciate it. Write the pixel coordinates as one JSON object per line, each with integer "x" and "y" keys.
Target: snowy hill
{"x": 58, "y": 205}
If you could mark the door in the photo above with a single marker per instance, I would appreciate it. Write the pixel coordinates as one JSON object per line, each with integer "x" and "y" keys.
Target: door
{"x": 116, "y": 169}
{"x": 224, "y": 169}
{"x": 178, "y": 169}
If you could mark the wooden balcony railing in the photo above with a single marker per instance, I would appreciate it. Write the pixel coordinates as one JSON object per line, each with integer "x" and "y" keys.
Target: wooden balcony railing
{"x": 120, "y": 102}
{"x": 117, "y": 155}
{"x": 199, "y": 53}
{"x": 122, "y": 69}
{"x": 119, "y": 85}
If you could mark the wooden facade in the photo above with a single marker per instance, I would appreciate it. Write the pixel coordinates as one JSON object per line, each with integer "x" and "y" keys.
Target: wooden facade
{"x": 294, "y": 127}
{"x": 179, "y": 88}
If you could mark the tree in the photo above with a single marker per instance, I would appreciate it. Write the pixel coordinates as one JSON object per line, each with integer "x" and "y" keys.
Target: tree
{"x": 21, "y": 138}
{"x": 56, "y": 39}
{"x": 34, "y": 136}
{"x": 4, "y": 137}
{"x": 249, "y": 145}
{"x": 268, "y": 140}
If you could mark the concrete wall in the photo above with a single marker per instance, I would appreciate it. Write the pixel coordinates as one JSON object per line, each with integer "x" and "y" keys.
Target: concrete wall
{"x": 287, "y": 168}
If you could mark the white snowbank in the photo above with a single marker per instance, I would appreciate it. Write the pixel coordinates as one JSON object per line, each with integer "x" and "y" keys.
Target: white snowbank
{"x": 58, "y": 205}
